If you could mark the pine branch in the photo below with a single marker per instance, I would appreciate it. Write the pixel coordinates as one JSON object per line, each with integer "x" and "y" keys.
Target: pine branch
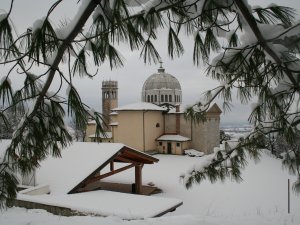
{"x": 256, "y": 31}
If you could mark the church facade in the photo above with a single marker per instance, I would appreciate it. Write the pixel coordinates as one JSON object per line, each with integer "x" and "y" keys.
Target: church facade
{"x": 157, "y": 124}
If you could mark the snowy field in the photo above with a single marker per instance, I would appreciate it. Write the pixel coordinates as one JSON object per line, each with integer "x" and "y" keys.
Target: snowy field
{"x": 260, "y": 199}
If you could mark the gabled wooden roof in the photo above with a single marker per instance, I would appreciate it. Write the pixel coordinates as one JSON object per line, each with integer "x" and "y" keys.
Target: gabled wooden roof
{"x": 124, "y": 155}
{"x": 136, "y": 156}
{"x": 80, "y": 160}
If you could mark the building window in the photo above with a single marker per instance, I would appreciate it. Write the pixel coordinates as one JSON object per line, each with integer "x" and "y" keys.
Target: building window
{"x": 148, "y": 98}
{"x": 178, "y": 144}
{"x": 157, "y": 125}
{"x": 151, "y": 98}
{"x": 166, "y": 98}
{"x": 162, "y": 98}
{"x": 160, "y": 143}
{"x": 155, "y": 98}
{"x": 170, "y": 98}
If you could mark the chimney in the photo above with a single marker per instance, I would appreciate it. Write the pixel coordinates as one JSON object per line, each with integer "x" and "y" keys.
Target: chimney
{"x": 177, "y": 119}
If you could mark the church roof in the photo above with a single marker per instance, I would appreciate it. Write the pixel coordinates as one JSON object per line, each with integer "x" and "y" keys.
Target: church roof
{"x": 172, "y": 137}
{"x": 214, "y": 109}
{"x": 161, "y": 80}
{"x": 140, "y": 106}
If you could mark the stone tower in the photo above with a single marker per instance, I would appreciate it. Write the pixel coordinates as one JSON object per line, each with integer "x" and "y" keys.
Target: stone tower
{"x": 109, "y": 99}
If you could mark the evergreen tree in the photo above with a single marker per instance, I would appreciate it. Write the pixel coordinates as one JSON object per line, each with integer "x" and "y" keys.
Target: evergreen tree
{"x": 254, "y": 61}
{"x": 8, "y": 126}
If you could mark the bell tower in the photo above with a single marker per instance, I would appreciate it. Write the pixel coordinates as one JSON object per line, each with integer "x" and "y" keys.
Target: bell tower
{"x": 109, "y": 100}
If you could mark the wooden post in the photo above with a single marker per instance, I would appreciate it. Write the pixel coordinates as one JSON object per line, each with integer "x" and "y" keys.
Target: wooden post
{"x": 138, "y": 178}
{"x": 111, "y": 165}
{"x": 289, "y": 196}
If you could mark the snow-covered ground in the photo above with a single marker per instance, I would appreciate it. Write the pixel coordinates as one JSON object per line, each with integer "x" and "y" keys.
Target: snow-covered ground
{"x": 260, "y": 199}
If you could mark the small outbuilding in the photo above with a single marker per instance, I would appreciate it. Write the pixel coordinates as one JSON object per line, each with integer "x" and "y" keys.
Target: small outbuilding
{"x": 82, "y": 166}
{"x": 172, "y": 144}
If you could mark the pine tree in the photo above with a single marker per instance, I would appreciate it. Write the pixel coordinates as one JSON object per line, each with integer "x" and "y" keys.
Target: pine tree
{"x": 254, "y": 61}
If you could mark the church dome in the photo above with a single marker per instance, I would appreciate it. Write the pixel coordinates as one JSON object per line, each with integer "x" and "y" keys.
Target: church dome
{"x": 161, "y": 88}
{"x": 161, "y": 80}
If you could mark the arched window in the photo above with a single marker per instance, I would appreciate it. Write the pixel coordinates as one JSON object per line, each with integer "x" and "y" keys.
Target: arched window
{"x": 155, "y": 98}
{"x": 151, "y": 98}
{"x": 178, "y": 98}
{"x": 166, "y": 98}
{"x": 148, "y": 100}
{"x": 170, "y": 98}
{"x": 162, "y": 98}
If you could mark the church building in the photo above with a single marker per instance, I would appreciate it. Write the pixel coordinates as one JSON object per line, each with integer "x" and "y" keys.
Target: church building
{"x": 156, "y": 124}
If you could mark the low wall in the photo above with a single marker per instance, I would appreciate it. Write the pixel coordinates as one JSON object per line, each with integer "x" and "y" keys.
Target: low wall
{"x": 62, "y": 211}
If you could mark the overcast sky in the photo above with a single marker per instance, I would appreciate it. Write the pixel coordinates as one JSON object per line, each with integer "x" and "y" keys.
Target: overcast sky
{"x": 132, "y": 76}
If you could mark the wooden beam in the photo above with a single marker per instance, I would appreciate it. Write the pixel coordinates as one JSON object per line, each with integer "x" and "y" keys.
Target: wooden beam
{"x": 141, "y": 156}
{"x": 99, "y": 177}
{"x": 122, "y": 159}
{"x": 138, "y": 178}
{"x": 111, "y": 165}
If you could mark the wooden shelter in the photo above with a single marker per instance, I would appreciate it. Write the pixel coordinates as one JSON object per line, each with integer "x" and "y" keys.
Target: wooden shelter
{"x": 127, "y": 156}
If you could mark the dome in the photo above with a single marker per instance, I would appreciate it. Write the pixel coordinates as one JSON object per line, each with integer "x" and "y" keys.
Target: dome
{"x": 161, "y": 88}
{"x": 161, "y": 80}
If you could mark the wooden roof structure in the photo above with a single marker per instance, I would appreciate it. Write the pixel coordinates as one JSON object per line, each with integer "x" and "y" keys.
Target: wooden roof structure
{"x": 130, "y": 157}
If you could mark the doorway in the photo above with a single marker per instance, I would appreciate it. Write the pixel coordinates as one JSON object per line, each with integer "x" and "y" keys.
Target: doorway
{"x": 169, "y": 148}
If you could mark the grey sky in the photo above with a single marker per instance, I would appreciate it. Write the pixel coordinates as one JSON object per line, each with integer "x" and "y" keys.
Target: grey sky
{"x": 132, "y": 76}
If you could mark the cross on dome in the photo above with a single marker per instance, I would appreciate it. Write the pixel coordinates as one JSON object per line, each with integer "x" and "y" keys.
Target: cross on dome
{"x": 161, "y": 62}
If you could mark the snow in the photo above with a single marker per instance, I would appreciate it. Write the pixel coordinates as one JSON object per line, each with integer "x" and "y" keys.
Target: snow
{"x": 3, "y": 16}
{"x": 113, "y": 113}
{"x": 20, "y": 216}
{"x": 77, "y": 162}
{"x": 261, "y": 198}
{"x": 173, "y": 111}
{"x": 5, "y": 79}
{"x": 64, "y": 33}
{"x": 38, "y": 24}
{"x": 97, "y": 12}
{"x": 173, "y": 137}
{"x": 4, "y": 144}
{"x": 140, "y": 106}
{"x": 108, "y": 203}
{"x": 102, "y": 135}
{"x": 193, "y": 152}
{"x": 92, "y": 122}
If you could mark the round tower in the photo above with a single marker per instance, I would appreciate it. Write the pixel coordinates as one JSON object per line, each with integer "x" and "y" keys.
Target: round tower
{"x": 109, "y": 99}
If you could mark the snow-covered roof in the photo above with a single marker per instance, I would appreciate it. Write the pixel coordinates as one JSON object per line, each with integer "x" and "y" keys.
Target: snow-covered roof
{"x": 113, "y": 113}
{"x": 92, "y": 122}
{"x": 173, "y": 110}
{"x": 77, "y": 162}
{"x": 172, "y": 137}
{"x": 102, "y": 135}
{"x": 140, "y": 106}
